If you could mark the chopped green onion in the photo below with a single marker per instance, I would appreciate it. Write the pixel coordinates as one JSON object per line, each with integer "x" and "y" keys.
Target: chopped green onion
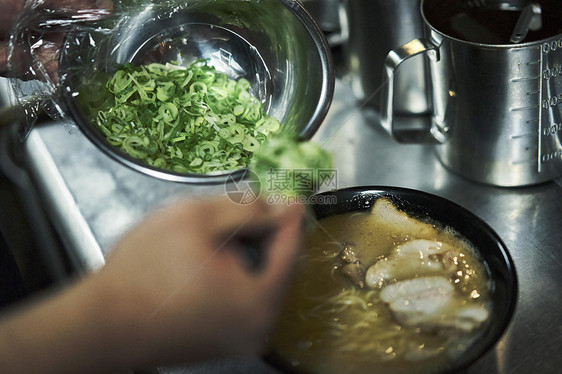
{"x": 283, "y": 152}
{"x": 190, "y": 119}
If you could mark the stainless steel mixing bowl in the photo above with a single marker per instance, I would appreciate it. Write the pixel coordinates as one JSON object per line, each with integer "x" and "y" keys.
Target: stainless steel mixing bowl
{"x": 274, "y": 44}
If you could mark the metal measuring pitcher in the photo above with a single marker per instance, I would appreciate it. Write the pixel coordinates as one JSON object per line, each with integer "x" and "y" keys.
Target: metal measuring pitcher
{"x": 497, "y": 105}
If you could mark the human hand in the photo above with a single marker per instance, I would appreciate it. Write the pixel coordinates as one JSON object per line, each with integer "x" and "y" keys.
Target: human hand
{"x": 184, "y": 292}
{"x": 175, "y": 289}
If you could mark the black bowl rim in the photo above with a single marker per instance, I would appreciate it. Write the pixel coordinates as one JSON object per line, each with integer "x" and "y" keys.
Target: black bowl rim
{"x": 413, "y": 198}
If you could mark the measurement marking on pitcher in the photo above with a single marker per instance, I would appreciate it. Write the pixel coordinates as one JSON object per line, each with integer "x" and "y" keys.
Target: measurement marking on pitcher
{"x": 552, "y": 130}
{"x": 539, "y": 150}
{"x": 525, "y": 79}
{"x": 552, "y": 72}
{"x": 528, "y": 144}
{"x": 519, "y": 136}
{"x": 550, "y": 102}
{"x": 523, "y": 108}
{"x": 520, "y": 162}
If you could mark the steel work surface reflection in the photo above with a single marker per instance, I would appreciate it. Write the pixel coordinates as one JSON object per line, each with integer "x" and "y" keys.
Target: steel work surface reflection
{"x": 93, "y": 199}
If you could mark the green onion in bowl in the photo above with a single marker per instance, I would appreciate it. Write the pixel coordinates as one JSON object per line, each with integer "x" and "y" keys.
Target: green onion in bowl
{"x": 190, "y": 119}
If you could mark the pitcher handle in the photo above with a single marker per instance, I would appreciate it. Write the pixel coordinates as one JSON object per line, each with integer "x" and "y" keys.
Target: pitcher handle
{"x": 391, "y": 64}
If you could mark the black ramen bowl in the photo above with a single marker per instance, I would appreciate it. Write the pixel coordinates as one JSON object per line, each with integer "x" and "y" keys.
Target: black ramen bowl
{"x": 428, "y": 207}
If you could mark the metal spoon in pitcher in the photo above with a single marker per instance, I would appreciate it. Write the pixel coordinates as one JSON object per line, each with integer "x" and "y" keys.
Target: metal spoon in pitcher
{"x": 530, "y": 19}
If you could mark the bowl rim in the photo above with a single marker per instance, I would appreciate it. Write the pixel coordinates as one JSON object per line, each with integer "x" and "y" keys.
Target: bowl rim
{"x": 324, "y": 102}
{"x": 414, "y": 198}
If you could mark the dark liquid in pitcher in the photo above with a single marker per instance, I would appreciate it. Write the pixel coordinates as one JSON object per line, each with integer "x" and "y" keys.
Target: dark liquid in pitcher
{"x": 492, "y": 26}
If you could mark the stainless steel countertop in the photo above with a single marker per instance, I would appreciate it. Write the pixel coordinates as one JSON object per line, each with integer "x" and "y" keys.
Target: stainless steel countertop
{"x": 92, "y": 200}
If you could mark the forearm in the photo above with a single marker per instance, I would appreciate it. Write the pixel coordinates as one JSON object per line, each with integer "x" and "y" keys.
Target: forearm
{"x": 78, "y": 330}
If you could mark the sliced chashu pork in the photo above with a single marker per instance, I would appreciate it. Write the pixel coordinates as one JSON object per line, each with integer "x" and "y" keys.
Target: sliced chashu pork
{"x": 431, "y": 304}
{"x": 418, "y": 257}
{"x": 384, "y": 212}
